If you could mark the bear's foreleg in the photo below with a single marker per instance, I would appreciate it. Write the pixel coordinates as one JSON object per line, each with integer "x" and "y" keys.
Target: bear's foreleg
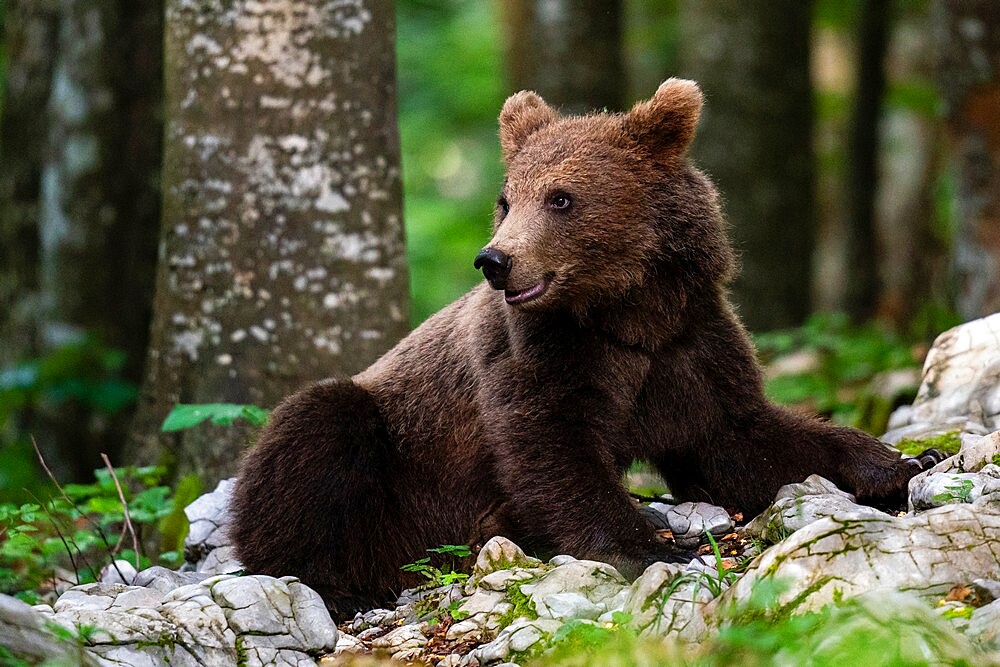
{"x": 566, "y": 497}
{"x": 743, "y": 468}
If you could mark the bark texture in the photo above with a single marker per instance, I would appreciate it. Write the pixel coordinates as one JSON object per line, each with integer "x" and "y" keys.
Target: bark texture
{"x": 568, "y": 51}
{"x": 282, "y": 258}
{"x": 969, "y": 81}
{"x": 755, "y": 140}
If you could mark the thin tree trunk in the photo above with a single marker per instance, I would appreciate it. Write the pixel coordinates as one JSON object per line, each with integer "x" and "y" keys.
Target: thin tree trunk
{"x": 30, "y": 37}
{"x": 913, "y": 250}
{"x": 862, "y": 287}
{"x": 568, "y": 51}
{"x": 282, "y": 258}
{"x": 755, "y": 141}
{"x": 969, "y": 80}
{"x": 99, "y": 208}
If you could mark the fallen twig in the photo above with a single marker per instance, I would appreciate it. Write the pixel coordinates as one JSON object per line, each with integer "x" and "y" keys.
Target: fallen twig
{"x": 84, "y": 515}
{"x": 128, "y": 519}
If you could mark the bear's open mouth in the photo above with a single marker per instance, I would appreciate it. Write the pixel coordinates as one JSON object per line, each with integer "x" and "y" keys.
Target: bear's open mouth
{"x": 525, "y": 295}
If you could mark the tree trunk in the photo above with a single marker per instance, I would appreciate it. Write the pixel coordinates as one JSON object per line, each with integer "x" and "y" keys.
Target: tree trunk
{"x": 568, "y": 51}
{"x": 99, "y": 210}
{"x": 755, "y": 140}
{"x": 80, "y": 152}
{"x": 282, "y": 258}
{"x": 861, "y": 279}
{"x": 969, "y": 81}
{"x": 29, "y": 38}
{"x": 913, "y": 250}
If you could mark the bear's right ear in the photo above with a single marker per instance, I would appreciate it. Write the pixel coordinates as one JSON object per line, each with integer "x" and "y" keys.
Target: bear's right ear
{"x": 666, "y": 122}
{"x": 523, "y": 114}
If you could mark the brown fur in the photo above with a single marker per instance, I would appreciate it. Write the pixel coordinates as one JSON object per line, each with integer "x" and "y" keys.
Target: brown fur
{"x": 519, "y": 420}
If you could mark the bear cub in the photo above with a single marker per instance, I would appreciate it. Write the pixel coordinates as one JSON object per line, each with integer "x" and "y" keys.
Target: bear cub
{"x": 602, "y": 335}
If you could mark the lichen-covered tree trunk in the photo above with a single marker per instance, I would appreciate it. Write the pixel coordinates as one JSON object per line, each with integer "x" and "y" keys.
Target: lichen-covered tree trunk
{"x": 755, "y": 140}
{"x": 29, "y": 37}
{"x": 282, "y": 258}
{"x": 568, "y": 51}
{"x": 969, "y": 80}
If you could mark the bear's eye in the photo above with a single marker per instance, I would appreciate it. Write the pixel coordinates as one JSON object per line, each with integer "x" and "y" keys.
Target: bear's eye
{"x": 560, "y": 201}
{"x": 503, "y": 206}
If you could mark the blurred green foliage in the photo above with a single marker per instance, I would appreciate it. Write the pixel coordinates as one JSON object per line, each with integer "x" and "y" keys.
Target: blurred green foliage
{"x": 842, "y": 360}
{"x": 85, "y": 373}
{"x": 450, "y": 92}
{"x": 760, "y": 632}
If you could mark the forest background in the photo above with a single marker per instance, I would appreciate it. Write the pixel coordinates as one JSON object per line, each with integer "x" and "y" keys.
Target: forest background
{"x": 855, "y": 144}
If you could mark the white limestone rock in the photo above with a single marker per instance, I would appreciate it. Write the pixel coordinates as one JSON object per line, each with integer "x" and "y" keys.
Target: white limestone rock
{"x": 799, "y": 505}
{"x": 690, "y": 521}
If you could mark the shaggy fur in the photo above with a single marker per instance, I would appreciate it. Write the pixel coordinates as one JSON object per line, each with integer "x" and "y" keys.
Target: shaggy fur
{"x": 520, "y": 420}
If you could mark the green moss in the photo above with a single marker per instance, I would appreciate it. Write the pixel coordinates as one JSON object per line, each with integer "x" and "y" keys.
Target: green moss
{"x": 959, "y": 612}
{"x": 949, "y": 442}
{"x": 520, "y": 605}
{"x": 995, "y": 460}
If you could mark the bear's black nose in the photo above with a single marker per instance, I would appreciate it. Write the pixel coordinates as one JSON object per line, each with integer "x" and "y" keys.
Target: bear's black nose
{"x": 495, "y": 266}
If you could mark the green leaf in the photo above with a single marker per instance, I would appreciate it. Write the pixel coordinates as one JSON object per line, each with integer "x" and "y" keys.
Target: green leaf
{"x": 150, "y": 505}
{"x": 457, "y": 550}
{"x": 185, "y": 416}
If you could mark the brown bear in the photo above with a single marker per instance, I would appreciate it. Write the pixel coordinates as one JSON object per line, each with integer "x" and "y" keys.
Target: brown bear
{"x": 603, "y": 336}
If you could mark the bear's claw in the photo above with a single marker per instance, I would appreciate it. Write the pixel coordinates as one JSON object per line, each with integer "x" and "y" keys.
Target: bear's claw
{"x": 928, "y": 458}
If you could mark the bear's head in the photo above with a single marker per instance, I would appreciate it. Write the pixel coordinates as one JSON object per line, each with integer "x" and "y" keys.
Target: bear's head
{"x": 594, "y": 206}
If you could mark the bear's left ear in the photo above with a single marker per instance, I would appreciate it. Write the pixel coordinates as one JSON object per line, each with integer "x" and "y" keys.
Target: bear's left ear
{"x": 666, "y": 122}
{"x": 523, "y": 114}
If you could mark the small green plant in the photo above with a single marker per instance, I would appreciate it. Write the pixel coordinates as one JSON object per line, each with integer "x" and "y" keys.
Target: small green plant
{"x": 444, "y": 575}
{"x": 715, "y": 582}
{"x": 185, "y": 416}
{"x": 456, "y": 613}
{"x": 72, "y": 535}
{"x": 955, "y": 493}
{"x": 723, "y": 575}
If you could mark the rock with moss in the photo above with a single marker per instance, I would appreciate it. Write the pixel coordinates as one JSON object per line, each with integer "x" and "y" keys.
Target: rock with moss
{"x": 669, "y": 600}
{"x": 499, "y": 553}
{"x": 942, "y": 488}
{"x": 26, "y": 634}
{"x": 524, "y": 638}
{"x": 984, "y": 626}
{"x": 971, "y": 452}
{"x": 841, "y": 556}
{"x": 799, "y": 505}
{"x": 577, "y": 589}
